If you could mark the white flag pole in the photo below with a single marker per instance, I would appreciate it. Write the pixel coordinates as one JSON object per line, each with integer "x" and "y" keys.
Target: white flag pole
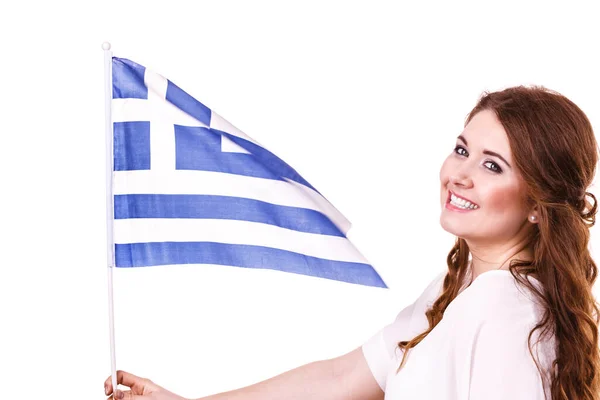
{"x": 109, "y": 204}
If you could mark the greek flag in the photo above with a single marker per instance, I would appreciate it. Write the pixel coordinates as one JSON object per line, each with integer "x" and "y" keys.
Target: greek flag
{"x": 190, "y": 188}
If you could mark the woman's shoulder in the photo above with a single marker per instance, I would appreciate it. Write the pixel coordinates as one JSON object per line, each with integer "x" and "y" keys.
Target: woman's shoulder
{"x": 498, "y": 296}
{"x": 432, "y": 291}
{"x": 495, "y": 294}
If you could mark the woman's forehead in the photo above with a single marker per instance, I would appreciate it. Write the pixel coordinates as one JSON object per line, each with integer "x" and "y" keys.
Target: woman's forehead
{"x": 485, "y": 132}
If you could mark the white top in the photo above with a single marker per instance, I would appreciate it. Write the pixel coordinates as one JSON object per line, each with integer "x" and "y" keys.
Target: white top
{"x": 478, "y": 351}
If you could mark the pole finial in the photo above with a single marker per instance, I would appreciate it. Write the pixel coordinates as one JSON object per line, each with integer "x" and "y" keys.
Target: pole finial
{"x": 105, "y": 46}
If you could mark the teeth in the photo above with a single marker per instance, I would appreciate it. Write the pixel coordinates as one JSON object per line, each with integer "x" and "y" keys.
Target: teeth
{"x": 462, "y": 203}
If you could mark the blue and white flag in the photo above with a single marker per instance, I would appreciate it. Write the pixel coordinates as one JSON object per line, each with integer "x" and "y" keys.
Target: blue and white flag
{"x": 190, "y": 188}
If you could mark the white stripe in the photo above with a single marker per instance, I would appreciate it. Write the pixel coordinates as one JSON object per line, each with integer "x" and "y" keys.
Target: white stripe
{"x": 162, "y": 146}
{"x": 323, "y": 205}
{"x": 162, "y": 133}
{"x": 218, "y": 122}
{"x": 235, "y": 232}
{"x": 218, "y": 184}
{"x": 125, "y": 110}
{"x": 227, "y": 146}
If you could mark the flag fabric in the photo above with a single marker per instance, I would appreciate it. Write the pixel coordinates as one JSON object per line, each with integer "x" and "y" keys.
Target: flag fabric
{"x": 190, "y": 188}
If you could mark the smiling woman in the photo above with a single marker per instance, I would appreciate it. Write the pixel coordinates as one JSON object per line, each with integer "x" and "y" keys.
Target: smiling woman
{"x": 513, "y": 192}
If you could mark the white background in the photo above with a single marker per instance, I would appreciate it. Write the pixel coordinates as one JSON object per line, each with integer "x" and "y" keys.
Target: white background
{"x": 364, "y": 99}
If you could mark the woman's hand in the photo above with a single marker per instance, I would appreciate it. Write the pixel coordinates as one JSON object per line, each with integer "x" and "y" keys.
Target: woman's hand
{"x": 141, "y": 389}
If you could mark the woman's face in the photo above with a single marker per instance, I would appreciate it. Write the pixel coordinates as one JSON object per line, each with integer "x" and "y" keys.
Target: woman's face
{"x": 481, "y": 173}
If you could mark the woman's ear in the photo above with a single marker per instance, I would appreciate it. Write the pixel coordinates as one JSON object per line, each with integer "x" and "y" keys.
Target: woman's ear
{"x": 533, "y": 216}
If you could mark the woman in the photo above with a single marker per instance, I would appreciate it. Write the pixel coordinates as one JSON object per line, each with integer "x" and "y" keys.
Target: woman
{"x": 513, "y": 316}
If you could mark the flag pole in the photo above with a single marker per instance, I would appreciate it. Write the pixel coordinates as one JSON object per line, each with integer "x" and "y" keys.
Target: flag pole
{"x": 109, "y": 204}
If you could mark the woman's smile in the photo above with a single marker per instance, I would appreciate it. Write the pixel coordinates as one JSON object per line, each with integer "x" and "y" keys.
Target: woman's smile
{"x": 458, "y": 203}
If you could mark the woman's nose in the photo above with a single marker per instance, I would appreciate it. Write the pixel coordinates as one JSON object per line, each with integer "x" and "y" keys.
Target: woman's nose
{"x": 462, "y": 179}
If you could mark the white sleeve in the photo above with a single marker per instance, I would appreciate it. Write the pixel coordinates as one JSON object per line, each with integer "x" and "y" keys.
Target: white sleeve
{"x": 379, "y": 350}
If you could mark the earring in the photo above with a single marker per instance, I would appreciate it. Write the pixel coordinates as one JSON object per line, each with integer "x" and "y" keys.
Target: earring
{"x": 533, "y": 218}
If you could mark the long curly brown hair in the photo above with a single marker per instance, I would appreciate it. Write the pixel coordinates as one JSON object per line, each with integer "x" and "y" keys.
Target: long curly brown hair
{"x": 556, "y": 153}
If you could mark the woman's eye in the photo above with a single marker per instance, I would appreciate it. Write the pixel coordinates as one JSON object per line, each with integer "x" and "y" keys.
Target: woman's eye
{"x": 493, "y": 166}
{"x": 461, "y": 151}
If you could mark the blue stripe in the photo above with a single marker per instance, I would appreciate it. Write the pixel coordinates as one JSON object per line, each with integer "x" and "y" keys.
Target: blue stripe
{"x": 131, "y": 145}
{"x": 128, "y": 79}
{"x": 269, "y": 160}
{"x": 223, "y": 207}
{"x": 199, "y": 148}
{"x": 246, "y": 256}
{"x": 187, "y": 103}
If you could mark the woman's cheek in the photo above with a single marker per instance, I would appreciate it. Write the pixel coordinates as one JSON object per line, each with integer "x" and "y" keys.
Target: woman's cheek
{"x": 502, "y": 198}
{"x": 444, "y": 171}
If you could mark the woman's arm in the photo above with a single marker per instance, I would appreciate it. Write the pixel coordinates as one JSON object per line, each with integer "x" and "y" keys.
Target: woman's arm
{"x": 343, "y": 378}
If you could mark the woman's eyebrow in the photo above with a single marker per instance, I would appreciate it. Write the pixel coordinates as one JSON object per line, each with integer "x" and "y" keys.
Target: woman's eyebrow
{"x": 488, "y": 152}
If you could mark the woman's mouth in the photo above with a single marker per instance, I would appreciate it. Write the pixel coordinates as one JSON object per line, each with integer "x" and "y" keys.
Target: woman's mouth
{"x": 457, "y": 203}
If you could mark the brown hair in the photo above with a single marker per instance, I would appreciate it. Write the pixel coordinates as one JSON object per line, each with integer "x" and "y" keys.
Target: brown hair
{"x": 555, "y": 151}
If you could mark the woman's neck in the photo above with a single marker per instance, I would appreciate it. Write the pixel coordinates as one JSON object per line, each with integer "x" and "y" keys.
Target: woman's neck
{"x": 488, "y": 258}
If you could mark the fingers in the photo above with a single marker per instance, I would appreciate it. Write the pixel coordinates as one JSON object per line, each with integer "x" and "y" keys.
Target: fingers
{"x": 127, "y": 379}
{"x": 126, "y": 395}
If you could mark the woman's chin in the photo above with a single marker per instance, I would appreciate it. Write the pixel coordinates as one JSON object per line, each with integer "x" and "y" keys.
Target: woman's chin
{"x": 452, "y": 228}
